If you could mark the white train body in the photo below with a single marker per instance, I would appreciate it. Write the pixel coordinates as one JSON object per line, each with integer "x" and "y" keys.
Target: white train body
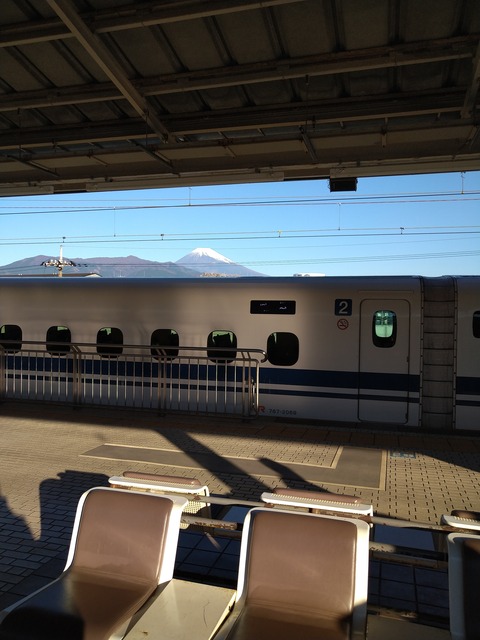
{"x": 388, "y": 350}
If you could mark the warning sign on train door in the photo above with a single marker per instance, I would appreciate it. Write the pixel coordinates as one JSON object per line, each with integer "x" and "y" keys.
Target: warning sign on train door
{"x": 342, "y": 324}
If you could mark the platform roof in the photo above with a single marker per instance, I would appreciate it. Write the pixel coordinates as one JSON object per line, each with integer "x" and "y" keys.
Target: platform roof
{"x": 112, "y": 94}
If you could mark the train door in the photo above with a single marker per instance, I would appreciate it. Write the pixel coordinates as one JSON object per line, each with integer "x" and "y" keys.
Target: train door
{"x": 467, "y": 387}
{"x": 383, "y": 378}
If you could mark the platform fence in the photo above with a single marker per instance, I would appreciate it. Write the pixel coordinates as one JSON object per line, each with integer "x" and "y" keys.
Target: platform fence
{"x": 192, "y": 380}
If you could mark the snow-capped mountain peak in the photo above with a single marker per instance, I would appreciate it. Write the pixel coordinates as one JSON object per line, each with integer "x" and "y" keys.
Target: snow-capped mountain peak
{"x": 209, "y": 262}
{"x": 210, "y": 253}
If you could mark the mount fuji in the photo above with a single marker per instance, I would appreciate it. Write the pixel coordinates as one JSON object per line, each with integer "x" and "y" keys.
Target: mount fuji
{"x": 198, "y": 263}
{"x": 210, "y": 262}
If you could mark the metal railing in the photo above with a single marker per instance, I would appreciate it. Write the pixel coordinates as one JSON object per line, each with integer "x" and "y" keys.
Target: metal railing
{"x": 136, "y": 376}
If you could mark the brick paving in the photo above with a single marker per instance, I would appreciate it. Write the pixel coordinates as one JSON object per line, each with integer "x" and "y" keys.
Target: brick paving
{"x": 43, "y": 472}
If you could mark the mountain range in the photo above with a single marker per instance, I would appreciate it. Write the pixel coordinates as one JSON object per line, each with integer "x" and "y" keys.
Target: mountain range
{"x": 196, "y": 264}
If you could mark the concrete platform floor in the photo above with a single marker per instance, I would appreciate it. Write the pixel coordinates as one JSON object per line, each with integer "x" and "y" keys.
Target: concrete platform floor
{"x": 46, "y": 463}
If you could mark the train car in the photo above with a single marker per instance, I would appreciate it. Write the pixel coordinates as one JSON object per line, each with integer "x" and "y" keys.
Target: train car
{"x": 400, "y": 351}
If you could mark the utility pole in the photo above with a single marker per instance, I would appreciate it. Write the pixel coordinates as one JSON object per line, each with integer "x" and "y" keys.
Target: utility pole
{"x": 59, "y": 263}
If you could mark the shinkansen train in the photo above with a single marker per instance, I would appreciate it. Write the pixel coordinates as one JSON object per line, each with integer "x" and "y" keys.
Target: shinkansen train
{"x": 399, "y": 351}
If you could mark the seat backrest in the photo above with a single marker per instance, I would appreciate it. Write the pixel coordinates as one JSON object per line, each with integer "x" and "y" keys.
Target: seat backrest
{"x": 464, "y": 585}
{"x": 308, "y": 563}
{"x": 128, "y": 535}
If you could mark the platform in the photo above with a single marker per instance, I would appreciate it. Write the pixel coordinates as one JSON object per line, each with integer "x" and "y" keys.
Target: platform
{"x": 49, "y": 455}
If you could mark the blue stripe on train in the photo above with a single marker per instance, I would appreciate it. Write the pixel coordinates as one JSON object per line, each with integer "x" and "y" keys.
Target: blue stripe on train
{"x": 279, "y": 376}
{"x": 468, "y": 385}
{"x": 341, "y": 379}
{"x": 288, "y": 377}
{"x": 354, "y": 395}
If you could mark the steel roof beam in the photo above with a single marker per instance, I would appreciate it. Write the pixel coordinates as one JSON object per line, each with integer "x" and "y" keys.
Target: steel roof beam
{"x": 105, "y": 60}
{"x": 472, "y": 91}
{"x": 271, "y": 71}
{"x": 133, "y": 16}
{"x": 353, "y": 110}
{"x": 413, "y": 150}
{"x": 151, "y": 13}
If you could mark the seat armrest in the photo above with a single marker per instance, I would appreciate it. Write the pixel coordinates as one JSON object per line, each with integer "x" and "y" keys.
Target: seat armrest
{"x": 321, "y": 504}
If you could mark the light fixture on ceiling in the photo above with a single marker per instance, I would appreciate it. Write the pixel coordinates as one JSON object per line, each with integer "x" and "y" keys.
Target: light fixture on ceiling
{"x": 343, "y": 184}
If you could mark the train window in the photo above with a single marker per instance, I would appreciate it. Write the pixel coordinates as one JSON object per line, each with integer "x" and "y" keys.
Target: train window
{"x": 282, "y": 348}
{"x": 222, "y": 339}
{"x": 58, "y": 339}
{"x": 109, "y": 341}
{"x": 476, "y": 324}
{"x": 384, "y": 328}
{"x": 162, "y": 339}
{"x": 11, "y": 332}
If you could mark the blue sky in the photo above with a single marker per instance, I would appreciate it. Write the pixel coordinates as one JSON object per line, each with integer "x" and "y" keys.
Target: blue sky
{"x": 425, "y": 224}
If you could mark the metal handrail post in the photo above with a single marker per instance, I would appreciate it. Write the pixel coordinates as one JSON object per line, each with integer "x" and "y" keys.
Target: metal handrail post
{"x": 76, "y": 375}
{"x": 3, "y": 368}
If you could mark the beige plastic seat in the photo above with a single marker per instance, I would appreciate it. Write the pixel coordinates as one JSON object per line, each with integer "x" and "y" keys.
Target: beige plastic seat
{"x": 123, "y": 547}
{"x": 464, "y": 585}
{"x": 301, "y": 577}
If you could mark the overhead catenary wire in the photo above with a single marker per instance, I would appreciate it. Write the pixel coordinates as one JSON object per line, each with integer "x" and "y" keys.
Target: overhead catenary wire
{"x": 253, "y": 235}
{"x": 153, "y": 240}
{"x": 271, "y": 201}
